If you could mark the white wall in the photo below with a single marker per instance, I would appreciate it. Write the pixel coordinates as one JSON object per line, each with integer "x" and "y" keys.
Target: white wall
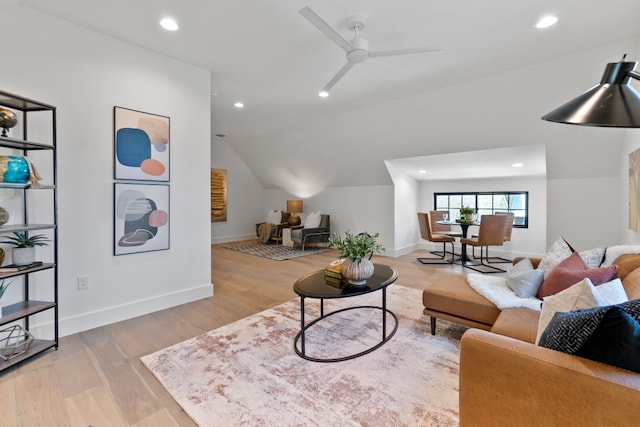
{"x": 405, "y": 202}
{"x": 85, "y": 74}
{"x": 600, "y": 198}
{"x": 356, "y": 209}
{"x": 245, "y": 197}
{"x": 632, "y": 143}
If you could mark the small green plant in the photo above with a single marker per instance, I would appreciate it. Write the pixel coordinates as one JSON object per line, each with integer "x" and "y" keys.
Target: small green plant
{"x": 356, "y": 246}
{"x": 466, "y": 210}
{"x": 22, "y": 240}
{"x": 3, "y": 287}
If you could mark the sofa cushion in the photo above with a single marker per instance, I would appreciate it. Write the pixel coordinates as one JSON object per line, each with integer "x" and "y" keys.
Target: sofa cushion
{"x": 453, "y": 295}
{"x": 614, "y": 252}
{"x": 558, "y": 252}
{"x": 571, "y": 271}
{"x": 524, "y": 280}
{"x": 568, "y": 331}
{"x": 518, "y": 323}
{"x": 615, "y": 341}
{"x": 631, "y": 284}
{"x": 593, "y": 257}
{"x": 626, "y": 264}
{"x": 612, "y": 292}
{"x": 579, "y": 296}
{"x": 312, "y": 220}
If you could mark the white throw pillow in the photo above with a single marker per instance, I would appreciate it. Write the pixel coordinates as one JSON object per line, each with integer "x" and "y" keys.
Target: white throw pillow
{"x": 274, "y": 216}
{"x": 313, "y": 220}
{"x": 558, "y": 252}
{"x": 579, "y": 296}
{"x": 524, "y": 280}
{"x": 593, "y": 257}
{"x": 612, "y": 292}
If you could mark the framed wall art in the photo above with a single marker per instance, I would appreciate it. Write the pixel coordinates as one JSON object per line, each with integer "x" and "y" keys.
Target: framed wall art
{"x": 141, "y": 145}
{"x": 634, "y": 190}
{"x": 141, "y": 218}
{"x": 218, "y": 195}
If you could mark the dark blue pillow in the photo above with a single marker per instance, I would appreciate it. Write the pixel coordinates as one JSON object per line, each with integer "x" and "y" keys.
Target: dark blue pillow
{"x": 616, "y": 341}
{"x": 568, "y": 331}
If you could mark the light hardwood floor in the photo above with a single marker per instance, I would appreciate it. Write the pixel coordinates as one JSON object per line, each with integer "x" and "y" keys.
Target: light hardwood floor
{"x": 96, "y": 378}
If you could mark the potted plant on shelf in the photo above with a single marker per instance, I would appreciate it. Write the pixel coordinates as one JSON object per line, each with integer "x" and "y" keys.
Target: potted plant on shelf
{"x": 357, "y": 249}
{"x": 24, "y": 247}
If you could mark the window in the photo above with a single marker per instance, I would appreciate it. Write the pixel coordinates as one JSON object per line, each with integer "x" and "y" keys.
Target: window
{"x": 487, "y": 203}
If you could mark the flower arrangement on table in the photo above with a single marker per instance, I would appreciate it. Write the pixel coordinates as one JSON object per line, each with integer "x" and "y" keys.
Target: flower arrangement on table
{"x": 466, "y": 213}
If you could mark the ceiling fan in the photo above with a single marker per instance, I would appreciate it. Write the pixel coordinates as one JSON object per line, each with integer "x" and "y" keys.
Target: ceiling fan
{"x": 357, "y": 49}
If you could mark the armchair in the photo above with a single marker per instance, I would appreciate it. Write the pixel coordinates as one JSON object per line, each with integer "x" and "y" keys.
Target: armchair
{"x": 303, "y": 235}
{"x": 271, "y": 231}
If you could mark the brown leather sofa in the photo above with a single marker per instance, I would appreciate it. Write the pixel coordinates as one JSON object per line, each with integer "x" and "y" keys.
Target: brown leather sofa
{"x": 506, "y": 380}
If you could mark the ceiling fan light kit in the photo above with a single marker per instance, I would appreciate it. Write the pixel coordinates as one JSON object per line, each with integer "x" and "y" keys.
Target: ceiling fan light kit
{"x": 614, "y": 102}
{"x": 357, "y": 50}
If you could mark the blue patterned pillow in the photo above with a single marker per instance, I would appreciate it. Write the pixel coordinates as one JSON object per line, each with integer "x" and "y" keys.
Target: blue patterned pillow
{"x": 568, "y": 331}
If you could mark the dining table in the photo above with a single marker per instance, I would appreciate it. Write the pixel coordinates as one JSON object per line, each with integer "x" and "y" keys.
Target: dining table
{"x": 464, "y": 227}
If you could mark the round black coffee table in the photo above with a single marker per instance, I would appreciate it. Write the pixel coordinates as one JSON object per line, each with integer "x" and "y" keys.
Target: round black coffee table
{"x": 314, "y": 286}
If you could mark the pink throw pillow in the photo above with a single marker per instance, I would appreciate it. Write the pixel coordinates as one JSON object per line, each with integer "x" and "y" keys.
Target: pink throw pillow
{"x": 571, "y": 271}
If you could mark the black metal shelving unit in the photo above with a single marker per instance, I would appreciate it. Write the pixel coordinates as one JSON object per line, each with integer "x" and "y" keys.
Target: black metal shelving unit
{"x": 22, "y": 311}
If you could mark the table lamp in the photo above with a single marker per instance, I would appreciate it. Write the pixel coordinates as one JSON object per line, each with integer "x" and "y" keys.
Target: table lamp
{"x": 294, "y": 207}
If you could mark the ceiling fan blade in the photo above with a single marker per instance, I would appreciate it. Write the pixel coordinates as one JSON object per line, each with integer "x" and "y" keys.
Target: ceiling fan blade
{"x": 326, "y": 29}
{"x": 412, "y": 51}
{"x": 338, "y": 76}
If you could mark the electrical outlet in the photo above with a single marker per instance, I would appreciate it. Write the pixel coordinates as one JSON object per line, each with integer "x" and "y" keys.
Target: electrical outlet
{"x": 83, "y": 283}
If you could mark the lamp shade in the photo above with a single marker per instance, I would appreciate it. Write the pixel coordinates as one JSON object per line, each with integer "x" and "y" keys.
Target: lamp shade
{"x": 294, "y": 206}
{"x": 612, "y": 103}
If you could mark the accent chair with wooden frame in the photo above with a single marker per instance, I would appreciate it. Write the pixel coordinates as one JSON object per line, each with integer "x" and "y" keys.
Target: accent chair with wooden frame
{"x": 426, "y": 234}
{"x": 304, "y": 236}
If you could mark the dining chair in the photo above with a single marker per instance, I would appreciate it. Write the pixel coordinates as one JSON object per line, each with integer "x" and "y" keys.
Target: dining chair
{"x": 434, "y": 218}
{"x": 508, "y": 228}
{"x": 426, "y": 234}
{"x": 491, "y": 233}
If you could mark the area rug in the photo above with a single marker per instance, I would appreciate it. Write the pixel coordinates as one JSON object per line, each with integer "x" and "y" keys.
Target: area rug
{"x": 247, "y": 373}
{"x": 273, "y": 251}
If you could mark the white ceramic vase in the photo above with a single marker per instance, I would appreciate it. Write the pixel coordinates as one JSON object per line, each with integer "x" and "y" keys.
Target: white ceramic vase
{"x": 357, "y": 272}
{"x": 23, "y": 256}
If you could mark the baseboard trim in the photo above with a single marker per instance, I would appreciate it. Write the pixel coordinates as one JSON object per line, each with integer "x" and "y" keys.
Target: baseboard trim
{"x": 82, "y": 322}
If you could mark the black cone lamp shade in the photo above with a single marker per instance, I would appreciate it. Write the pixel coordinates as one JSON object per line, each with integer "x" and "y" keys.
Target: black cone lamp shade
{"x": 612, "y": 103}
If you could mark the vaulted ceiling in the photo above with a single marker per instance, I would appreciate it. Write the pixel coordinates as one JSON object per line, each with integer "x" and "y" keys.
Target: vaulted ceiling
{"x": 264, "y": 53}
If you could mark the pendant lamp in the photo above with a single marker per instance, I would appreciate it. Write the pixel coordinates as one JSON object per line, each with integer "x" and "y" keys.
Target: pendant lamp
{"x": 612, "y": 103}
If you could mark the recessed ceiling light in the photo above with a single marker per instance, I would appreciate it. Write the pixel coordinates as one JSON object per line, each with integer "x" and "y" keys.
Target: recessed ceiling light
{"x": 169, "y": 24}
{"x": 546, "y": 22}
{"x": 517, "y": 165}
{"x": 239, "y": 104}
{"x": 422, "y": 171}
{"x": 323, "y": 94}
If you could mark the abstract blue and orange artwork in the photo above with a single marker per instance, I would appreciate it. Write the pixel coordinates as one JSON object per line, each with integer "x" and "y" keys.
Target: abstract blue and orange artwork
{"x": 141, "y": 218}
{"x": 141, "y": 143}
